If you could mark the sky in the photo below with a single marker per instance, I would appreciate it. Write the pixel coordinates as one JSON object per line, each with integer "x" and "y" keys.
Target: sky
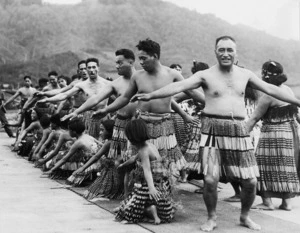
{"x": 279, "y": 18}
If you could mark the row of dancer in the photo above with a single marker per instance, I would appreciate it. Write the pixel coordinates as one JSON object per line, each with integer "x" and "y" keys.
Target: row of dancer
{"x": 225, "y": 148}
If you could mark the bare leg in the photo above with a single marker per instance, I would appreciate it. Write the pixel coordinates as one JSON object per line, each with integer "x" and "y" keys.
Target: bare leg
{"x": 286, "y": 204}
{"x": 152, "y": 212}
{"x": 210, "y": 196}
{"x": 126, "y": 184}
{"x": 237, "y": 193}
{"x": 247, "y": 199}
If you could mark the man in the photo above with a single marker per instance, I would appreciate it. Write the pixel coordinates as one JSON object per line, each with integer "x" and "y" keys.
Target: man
{"x": 156, "y": 113}
{"x": 225, "y": 142}
{"x": 24, "y": 92}
{"x": 53, "y": 84}
{"x": 125, "y": 66}
{"x": 3, "y": 117}
{"x": 89, "y": 87}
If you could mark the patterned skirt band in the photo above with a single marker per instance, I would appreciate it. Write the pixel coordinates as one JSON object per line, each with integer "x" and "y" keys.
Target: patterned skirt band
{"x": 223, "y": 117}
{"x": 150, "y": 115}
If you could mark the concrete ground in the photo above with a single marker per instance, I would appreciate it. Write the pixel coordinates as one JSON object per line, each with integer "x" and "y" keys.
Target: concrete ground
{"x": 31, "y": 204}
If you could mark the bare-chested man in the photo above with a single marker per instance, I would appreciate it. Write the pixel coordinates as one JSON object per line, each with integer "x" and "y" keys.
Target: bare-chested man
{"x": 90, "y": 87}
{"x": 225, "y": 146}
{"x": 125, "y": 66}
{"x": 25, "y": 93}
{"x": 156, "y": 113}
{"x": 53, "y": 84}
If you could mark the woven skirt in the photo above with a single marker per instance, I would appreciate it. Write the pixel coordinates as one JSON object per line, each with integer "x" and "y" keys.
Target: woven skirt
{"x": 277, "y": 156}
{"x": 226, "y": 149}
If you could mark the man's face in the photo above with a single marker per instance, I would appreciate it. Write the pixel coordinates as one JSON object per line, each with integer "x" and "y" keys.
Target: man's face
{"x": 92, "y": 69}
{"x": 147, "y": 62}
{"x": 123, "y": 65}
{"x": 82, "y": 71}
{"x": 27, "y": 82}
{"x": 53, "y": 80}
{"x": 226, "y": 52}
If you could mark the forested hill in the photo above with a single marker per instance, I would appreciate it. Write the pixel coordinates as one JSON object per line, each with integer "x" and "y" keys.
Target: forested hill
{"x": 36, "y": 38}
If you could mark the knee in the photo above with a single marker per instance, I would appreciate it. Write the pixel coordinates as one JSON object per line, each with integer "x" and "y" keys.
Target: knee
{"x": 249, "y": 183}
{"x": 210, "y": 182}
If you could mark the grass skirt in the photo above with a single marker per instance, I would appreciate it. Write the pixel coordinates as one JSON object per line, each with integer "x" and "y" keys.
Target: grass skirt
{"x": 226, "y": 149}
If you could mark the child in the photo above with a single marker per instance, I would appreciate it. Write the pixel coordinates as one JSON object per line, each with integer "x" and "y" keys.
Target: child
{"x": 87, "y": 169}
{"x": 81, "y": 151}
{"x": 152, "y": 192}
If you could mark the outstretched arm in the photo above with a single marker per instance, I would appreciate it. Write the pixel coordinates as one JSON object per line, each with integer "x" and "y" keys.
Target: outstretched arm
{"x": 46, "y": 134}
{"x": 45, "y": 145}
{"x": 171, "y": 89}
{"x": 104, "y": 149}
{"x": 12, "y": 98}
{"x": 272, "y": 90}
{"x": 62, "y": 96}
{"x": 61, "y": 162}
{"x": 56, "y": 91}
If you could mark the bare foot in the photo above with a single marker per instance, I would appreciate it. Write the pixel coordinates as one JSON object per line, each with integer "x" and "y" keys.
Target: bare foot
{"x": 247, "y": 222}
{"x": 209, "y": 225}
{"x": 263, "y": 206}
{"x": 235, "y": 198}
{"x": 285, "y": 207}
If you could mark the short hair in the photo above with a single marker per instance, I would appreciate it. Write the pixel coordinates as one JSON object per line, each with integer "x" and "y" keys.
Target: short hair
{"x": 136, "y": 131}
{"x": 53, "y": 72}
{"x": 224, "y": 38}
{"x": 45, "y": 121}
{"x": 66, "y": 78}
{"x": 92, "y": 59}
{"x": 81, "y": 62}
{"x": 27, "y": 77}
{"x": 127, "y": 53}
{"x": 272, "y": 72}
{"x": 197, "y": 66}
{"x": 77, "y": 125}
{"x": 149, "y": 46}
{"x": 55, "y": 119}
{"x": 109, "y": 127}
{"x": 42, "y": 81}
{"x": 173, "y": 66}
{"x": 74, "y": 77}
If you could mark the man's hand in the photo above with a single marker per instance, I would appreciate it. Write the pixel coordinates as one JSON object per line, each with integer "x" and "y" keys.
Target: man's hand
{"x": 141, "y": 97}
{"x": 100, "y": 113}
{"x": 188, "y": 118}
{"x": 69, "y": 116}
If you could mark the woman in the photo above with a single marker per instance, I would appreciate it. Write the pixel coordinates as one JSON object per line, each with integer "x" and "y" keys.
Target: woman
{"x": 278, "y": 146}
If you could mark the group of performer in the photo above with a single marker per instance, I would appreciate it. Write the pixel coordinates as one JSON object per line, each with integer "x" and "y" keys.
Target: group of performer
{"x": 133, "y": 138}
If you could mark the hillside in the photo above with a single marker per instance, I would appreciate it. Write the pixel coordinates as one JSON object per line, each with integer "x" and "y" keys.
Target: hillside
{"x": 37, "y": 38}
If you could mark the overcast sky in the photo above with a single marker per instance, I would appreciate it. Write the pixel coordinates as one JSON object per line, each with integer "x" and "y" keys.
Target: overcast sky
{"x": 280, "y": 18}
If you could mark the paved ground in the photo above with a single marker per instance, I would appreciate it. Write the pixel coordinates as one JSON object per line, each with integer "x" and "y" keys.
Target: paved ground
{"x": 31, "y": 204}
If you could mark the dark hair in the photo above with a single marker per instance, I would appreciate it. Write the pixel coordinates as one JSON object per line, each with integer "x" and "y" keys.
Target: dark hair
{"x": 42, "y": 81}
{"x": 224, "y": 38}
{"x": 173, "y": 66}
{"x": 136, "y": 131}
{"x": 251, "y": 93}
{"x": 67, "y": 79}
{"x": 45, "y": 121}
{"x": 92, "y": 59}
{"x": 197, "y": 66}
{"x": 27, "y": 77}
{"x": 272, "y": 72}
{"x": 75, "y": 76}
{"x": 55, "y": 119}
{"x": 77, "y": 125}
{"x": 109, "y": 127}
{"x": 150, "y": 47}
{"x": 81, "y": 62}
{"x": 53, "y": 72}
{"x": 127, "y": 53}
